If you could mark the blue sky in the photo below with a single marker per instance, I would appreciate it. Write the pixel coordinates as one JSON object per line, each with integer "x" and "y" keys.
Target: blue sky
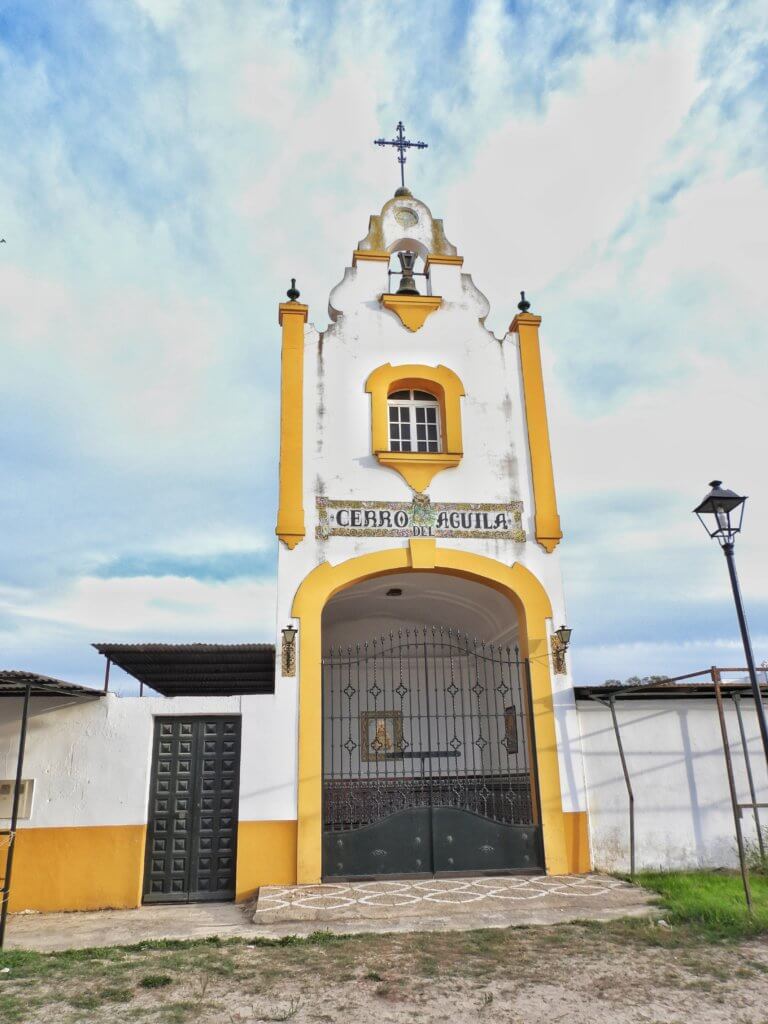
{"x": 168, "y": 165}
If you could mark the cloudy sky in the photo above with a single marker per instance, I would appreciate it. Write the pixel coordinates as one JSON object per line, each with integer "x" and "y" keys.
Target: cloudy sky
{"x": 167, "y": 165}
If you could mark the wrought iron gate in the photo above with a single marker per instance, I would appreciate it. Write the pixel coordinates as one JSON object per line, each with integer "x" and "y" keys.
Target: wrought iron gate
{"x": 426, "y": 758}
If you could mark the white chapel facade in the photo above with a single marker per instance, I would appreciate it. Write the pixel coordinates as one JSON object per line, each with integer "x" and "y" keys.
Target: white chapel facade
{"x": 418, "y": 534}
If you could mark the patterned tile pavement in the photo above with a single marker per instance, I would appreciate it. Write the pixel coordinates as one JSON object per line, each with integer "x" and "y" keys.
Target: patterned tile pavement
{"x": 361, "y": 907}
{"x": 340, "y": 901}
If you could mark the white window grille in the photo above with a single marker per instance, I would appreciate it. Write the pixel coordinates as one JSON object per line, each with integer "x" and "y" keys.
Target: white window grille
{"x": 414, "y": 422}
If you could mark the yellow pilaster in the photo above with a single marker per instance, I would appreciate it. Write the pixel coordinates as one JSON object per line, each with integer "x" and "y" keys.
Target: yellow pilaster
{"x": 547, "y": 521}
{"x": 290, "y": 514}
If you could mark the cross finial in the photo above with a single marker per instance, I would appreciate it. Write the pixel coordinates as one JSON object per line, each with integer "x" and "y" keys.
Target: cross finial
{"x": 401, "y": 144}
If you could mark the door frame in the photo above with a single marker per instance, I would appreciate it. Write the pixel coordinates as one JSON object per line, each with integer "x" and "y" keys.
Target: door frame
{"x": 188, "y": 897}
{"x": 566, "y": 842}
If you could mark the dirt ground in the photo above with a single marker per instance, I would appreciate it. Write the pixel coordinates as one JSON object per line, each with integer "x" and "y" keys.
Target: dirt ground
{"x": 614, "y": 973}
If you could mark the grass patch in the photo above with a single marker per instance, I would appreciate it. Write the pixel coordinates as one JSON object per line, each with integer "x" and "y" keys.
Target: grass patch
{"x": 89, "y": 1001}
{"x": 711, "y": 901}
{"x": 12, "y": 1009}
{"x": 156, "y": 981}
{"x": 29, "y": 963}
{"x": 756, "y": 851}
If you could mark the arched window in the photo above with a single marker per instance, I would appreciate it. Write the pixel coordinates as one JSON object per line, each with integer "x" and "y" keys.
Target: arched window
{"x": 414, "y": 422}
{"x": 431, "y": 399}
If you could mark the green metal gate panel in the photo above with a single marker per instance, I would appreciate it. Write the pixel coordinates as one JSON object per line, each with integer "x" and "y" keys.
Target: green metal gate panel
{"x": 432, "y": 841}
{"x": 192, "y": 821}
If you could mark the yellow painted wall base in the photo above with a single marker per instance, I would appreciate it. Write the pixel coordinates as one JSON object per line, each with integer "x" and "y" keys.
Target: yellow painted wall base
{"x": 577, "y": 842}
{"x": 78, "y": 868}
{"x": 266, "y": 855}
{"x": 102, "y": 866}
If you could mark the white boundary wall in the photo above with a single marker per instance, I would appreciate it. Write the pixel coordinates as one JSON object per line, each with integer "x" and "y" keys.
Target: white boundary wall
{"x": 91, "y": 763}
{"x": 91, "y": 760}
{"x": 674, "y": 751}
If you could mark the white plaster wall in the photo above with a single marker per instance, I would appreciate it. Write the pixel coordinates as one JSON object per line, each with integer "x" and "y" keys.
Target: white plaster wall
{"x": 674, "y": 752}
{"x": 269, "y": 757}
{"x": 338, "y": 463}
{"x": 91, "y": 761}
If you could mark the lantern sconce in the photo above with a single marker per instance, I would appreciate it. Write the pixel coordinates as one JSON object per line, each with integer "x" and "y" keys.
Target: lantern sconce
{"x": 288, "y": 652}
{"x": 560, "y": 642}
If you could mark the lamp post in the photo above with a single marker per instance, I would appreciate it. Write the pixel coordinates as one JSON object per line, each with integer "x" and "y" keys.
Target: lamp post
{"x": 721, "y": 513}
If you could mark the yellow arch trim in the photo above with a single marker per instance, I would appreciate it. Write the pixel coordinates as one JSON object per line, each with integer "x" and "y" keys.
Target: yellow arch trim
{"x": 564, "y": 834}
{"x": 417, "y": 468}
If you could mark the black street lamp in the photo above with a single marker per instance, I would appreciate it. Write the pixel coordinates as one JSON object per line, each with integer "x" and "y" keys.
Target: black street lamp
{"x": 721, "y": 513}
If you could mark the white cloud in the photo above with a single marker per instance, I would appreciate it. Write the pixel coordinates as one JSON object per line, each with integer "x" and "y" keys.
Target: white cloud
{"x": 156, "y": 605}
{"x": 545, "y": 194}
{"x": 214, "y": 541}
{"x": 162, "y": 12}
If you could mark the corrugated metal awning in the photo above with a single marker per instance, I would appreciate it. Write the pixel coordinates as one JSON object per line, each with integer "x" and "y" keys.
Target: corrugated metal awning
{"x": 14, "y": 682}
{"x": 664, "y": 690}
{"x": 176, "y": 670}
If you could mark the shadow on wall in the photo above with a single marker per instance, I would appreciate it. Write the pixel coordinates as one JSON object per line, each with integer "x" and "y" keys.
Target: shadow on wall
{"x": 683, "y": 813}
{"x": 693, "y": 794}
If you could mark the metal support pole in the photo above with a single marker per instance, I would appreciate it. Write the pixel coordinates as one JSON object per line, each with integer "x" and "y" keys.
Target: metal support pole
{"x": 759, "y": 708}
{"x": 106, "y": 676}
{"x": 630, "y": 794}
{"x": 732, "y": 788}
{"x": 735, "y": 697}
{"x": 6, "y": 890}
{"x": 627, "y": 781}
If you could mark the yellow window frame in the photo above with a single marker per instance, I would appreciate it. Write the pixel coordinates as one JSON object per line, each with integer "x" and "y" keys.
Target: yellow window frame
{"x": 417, "y": 468}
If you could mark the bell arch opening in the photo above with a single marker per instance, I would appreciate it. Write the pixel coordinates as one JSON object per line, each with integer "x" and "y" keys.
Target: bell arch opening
{"x": 427, "y": 738}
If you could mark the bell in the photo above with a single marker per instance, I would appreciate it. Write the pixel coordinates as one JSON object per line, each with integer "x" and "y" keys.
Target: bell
{"x": 407, "y": 284}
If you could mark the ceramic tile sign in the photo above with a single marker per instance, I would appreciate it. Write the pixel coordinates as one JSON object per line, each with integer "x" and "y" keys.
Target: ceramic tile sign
{"x": 419, "y": 518}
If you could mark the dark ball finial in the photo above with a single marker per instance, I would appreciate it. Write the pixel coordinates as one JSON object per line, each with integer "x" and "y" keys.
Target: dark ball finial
{"x": 523, "y": 305}
{"x": 293, "y": 292}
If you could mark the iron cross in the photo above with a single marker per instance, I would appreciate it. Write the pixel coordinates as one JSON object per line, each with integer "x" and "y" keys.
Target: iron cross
{"x": 401, "y": 143}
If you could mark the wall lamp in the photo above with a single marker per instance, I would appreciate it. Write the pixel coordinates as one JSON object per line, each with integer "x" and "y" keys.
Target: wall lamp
{"x": 288, "y": 652}
{"x": 563, "y": 634}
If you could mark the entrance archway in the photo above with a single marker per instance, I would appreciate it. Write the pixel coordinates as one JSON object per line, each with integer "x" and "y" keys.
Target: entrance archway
{"x": 426, "y": 731}
{"x": 564, "y": 841}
